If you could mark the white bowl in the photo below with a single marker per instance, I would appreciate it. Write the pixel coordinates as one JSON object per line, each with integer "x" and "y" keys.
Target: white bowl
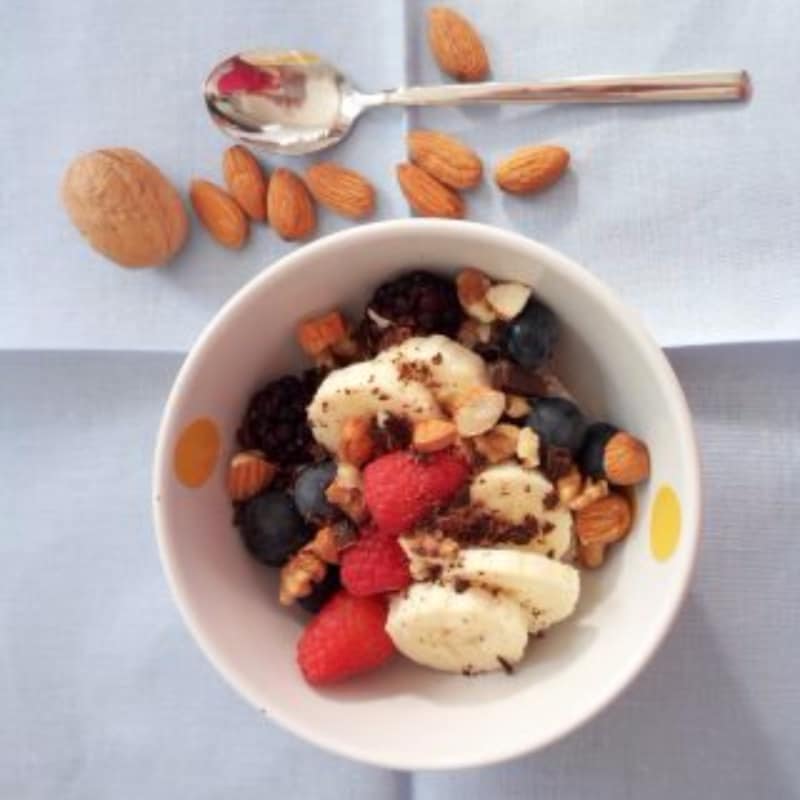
{"x": 405, "y": 716}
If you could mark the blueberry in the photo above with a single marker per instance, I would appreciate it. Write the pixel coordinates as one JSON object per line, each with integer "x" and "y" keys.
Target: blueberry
{"x": 558, "y": 422}
{"x": 322, "y": 591}
{"x": 309, "y": 492}
{"x": 531, "y": 337}
{"x": 592, "y": 455}
{"x": 271, "y": 528}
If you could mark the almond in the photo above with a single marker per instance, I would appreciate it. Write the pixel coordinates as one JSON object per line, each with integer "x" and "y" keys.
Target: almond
{"x": 431, "y": 435}
{"x": 357, "y": 444}
{"x": 315, "y": 336}
{"x": 605, "y": 521}
{"x": 591, "y": 555}
{"x": 626, "y": 460}
{"x": 508, "y": 299}
{"x": 342, "y": 190}
{"x": 248, "y": 474}
{"x": 531, "y": 169}
{"x": 478, "y": 410}
{"x": 290, "y": 209}
{"x": 472, "y": 287}
{"x": 455, "y": 45}
{"x": 446, "y": 158}
{"x": 427, "y": 196}
{"x": 245, "y": 181}
{"x": 219, "y": 213}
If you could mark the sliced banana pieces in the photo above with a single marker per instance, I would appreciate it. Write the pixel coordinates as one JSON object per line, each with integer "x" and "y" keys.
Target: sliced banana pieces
{"x": 515, "y": 493}
{"x": 447, "y": 368}
{"x": 365, "y": 389}
{"x": 469, "y": 632}
{"x": 547, "y": 590}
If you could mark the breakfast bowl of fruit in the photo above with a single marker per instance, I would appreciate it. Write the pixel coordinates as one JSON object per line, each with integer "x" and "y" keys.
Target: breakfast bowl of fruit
{"x": 427, "y": 494}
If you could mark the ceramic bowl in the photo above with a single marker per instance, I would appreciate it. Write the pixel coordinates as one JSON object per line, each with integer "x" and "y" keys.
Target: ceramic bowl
{"x": 405, "y": 716}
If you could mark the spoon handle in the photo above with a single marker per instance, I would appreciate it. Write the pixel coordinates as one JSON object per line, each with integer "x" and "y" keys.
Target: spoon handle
{"x": 664, "y": 88}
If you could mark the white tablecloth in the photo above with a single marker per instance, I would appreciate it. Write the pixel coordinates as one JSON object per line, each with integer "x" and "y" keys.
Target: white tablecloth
{"x": 690, "y": 212}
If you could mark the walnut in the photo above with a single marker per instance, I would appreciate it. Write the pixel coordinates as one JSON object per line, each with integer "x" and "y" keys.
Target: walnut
{"x": 498, "y": 444}
{"x": 528, "y": 448}
{"x": 347, "y": 493}
{"x": 299, "y": 576}
{"x": 325, "y": 545}
{"x": 592, "y": 491}
{"x": 125, "y": 207}
{"x": 569, "y": 486}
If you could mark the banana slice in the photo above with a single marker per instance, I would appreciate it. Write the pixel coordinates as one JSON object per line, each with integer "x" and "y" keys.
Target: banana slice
{"x": 516, "y": 493}
{"x": 446, "y": 367}
{"x": 547, "y": 590}
{"x": 469, "y": 631}
{"x": 365, "y": 389}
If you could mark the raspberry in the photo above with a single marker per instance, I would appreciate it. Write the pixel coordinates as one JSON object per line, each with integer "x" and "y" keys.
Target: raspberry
{"x": 400, "y": 488}
{"x": 375, "y": 564}
{"x": 347, "y": 637}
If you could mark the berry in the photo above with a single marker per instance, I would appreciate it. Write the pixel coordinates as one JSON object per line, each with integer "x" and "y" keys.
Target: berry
{"x": 558, "y": 422}
{"x": 275, "y": 421}
{"x": 271, "y": 528}
{"x": 322, "y": 591}
{"x": 531, "y": 337}
{"x": 419, "y": 301}
{"x": 347, "y": 637}
{"x": 375, "y": 563}
{"x": 401, "y": 488}
{"x": 592, "y": 455}
{"x": 309, "y": 492}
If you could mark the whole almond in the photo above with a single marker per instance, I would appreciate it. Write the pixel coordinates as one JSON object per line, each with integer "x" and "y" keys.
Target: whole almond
{"x": 531, "y": 169}
{"x": 427, "y": 196}
{"x": 219, "y": 213}
{"x": 455, "y": 45}
{"x": 290, "y": 209}
{"x": 605, "y": 521}
{"x": 342, "y": 190}
{"x": 245, "y": 181}
{"x": 446, "y": 158}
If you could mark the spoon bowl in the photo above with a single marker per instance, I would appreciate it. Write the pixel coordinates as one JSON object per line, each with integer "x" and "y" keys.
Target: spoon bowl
{"x": 289, "y": 102}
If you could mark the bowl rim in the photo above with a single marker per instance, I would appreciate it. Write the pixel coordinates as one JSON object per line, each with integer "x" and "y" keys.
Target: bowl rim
{"x": 691, "y": 501}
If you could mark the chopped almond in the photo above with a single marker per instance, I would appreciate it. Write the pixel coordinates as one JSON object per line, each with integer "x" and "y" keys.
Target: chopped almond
{"x": 357, "y": 444}
{"x": 431, "y": 435}
{"x": 478, "y": 410}
{"x": 317, "y": 335}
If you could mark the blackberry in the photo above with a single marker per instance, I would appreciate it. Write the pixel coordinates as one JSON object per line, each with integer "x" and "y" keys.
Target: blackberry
{"x": 419, "y": 301}
{"x": 275, "y": 421}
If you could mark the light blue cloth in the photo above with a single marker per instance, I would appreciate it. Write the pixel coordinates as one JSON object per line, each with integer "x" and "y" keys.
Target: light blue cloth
{"x": 690, "y": 212}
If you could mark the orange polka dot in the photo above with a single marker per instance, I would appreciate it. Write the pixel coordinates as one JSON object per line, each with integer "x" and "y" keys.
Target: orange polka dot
{"x": 665, "y": 523}
{"x": 196, "y": 452}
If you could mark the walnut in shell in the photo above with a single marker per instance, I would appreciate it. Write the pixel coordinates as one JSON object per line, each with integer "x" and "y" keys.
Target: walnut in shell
{"x": 125, "y": 207}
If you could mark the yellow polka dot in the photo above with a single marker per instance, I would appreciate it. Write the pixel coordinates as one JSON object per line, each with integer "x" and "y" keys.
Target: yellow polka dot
{"x": 665, "y": 523}
{"x": 196, "y": 452}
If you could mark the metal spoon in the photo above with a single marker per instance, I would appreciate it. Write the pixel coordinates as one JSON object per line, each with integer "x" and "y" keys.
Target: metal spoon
{"x": 293, "y": 102}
